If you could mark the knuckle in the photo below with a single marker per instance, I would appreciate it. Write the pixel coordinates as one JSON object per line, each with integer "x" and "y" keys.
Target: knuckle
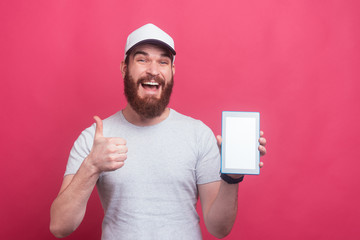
{"x": 108, "y": 148}
{"x": 124, "y": 149}
{"x": 111, "y": 158}
{"x": 112, "y": 148}
{"x": 123, "y": 157}
{"x": 114, "y": 166}
{"x": 117, "y": 165}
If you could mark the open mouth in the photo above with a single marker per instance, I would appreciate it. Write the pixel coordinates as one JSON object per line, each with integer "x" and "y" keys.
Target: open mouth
{"x": 150, "y": 85}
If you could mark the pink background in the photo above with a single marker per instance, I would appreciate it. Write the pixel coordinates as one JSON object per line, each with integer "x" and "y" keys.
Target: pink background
{"x": 296, "y": 62}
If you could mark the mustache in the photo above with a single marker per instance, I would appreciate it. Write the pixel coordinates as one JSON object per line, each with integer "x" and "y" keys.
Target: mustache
{"x": 149, "y": 78}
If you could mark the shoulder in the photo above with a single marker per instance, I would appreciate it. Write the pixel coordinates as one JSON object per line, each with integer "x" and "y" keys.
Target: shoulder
{"x": 192, "y": 124}
{"x": 108, "y": 124}
{"x": 113, "y": 119}
{"x": 178, "y": 117}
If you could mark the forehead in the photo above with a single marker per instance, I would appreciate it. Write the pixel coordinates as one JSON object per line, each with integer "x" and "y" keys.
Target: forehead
{"x": 151, "y": 49}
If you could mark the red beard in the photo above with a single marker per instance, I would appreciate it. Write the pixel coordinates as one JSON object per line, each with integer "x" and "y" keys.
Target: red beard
{"x": 148, "y": 107}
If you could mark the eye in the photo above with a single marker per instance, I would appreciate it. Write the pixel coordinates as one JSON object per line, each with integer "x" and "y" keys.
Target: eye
{"x": 164, "y": 62}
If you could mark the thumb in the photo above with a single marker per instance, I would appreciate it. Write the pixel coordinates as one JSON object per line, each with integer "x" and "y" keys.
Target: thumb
{"x": 99, "y": 127}
{"x": 219, "y": 140}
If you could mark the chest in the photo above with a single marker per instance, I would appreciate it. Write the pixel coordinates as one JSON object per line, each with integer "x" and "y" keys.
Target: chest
{"x": 156, "y": 166}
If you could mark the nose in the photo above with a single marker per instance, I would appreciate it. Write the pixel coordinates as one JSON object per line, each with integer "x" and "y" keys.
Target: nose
{"x": 153, "y": 69}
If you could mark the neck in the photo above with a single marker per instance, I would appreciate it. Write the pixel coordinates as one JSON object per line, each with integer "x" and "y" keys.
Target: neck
{"x": 134, "y": 118}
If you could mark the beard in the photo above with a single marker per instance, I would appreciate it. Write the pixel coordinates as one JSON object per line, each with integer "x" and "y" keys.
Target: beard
{"x": 150, "y": 106}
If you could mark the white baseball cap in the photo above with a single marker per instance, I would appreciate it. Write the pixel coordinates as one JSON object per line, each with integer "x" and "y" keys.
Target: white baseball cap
{"x": 149, "y": 33}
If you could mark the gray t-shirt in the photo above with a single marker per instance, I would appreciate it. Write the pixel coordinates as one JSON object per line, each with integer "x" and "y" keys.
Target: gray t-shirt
{"x": 154, "y": 195}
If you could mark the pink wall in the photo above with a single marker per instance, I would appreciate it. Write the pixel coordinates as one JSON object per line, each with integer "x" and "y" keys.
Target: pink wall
{"x": 296, "y": 62}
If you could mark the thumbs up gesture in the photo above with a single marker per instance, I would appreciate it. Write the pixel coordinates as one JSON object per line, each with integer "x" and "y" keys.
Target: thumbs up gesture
{"x": 107, "y": 154}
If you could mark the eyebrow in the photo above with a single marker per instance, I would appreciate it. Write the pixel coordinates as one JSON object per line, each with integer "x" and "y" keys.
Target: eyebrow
{"x": 147, "y": 54}
{"x": 166, "y": 55}
{"x": 140, "y": 52}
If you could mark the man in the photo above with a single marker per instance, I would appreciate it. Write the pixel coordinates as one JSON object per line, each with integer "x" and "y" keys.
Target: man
{"x": 171, "y": 159}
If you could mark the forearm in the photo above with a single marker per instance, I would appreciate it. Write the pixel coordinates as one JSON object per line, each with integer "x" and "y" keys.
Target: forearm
{"x": 221, "y": 215}
{"x": 68, "y": 209}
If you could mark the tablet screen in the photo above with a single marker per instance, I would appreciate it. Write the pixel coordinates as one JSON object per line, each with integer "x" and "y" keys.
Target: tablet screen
{"x": 240, "y": 134}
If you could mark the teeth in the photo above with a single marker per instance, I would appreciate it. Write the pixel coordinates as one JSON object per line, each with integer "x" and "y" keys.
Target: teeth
{"x": 151, "y": 83}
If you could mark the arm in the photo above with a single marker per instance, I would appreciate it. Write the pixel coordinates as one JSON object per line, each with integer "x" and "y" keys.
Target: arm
{"x": 219, "y": 200}
{"x": 68, "y": 209}
{"x": 219, "y": 206}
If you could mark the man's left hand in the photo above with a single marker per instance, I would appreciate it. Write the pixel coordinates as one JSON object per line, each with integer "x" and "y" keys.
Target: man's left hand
{"x": 261, "y": 148}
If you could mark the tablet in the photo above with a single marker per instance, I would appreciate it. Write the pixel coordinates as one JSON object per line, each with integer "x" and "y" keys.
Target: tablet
{"x": 240, "y": 142}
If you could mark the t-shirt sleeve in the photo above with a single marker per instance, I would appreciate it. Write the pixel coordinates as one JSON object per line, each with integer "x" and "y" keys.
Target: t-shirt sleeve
{"x": 208, "y": 164}
{"x": 80, "y": 150}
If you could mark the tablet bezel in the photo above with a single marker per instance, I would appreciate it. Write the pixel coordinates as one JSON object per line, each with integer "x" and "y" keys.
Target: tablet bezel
{"x": 254, "y": 115}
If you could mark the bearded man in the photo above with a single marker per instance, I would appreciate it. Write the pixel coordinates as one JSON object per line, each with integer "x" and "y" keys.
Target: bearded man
{"x": 171, "y": 159}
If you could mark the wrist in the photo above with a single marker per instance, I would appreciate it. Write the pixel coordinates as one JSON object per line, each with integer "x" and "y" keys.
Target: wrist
{"x": 232, "y": 179}
{"x": 90, "y": 167}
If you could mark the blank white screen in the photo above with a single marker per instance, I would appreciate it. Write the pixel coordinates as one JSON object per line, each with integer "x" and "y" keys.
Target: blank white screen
{"x": 240, "y": 143}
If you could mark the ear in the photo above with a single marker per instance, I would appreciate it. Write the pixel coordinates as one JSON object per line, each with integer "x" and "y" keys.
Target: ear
{"x": 173, "y": 69}
{"x": 123, "y": 68}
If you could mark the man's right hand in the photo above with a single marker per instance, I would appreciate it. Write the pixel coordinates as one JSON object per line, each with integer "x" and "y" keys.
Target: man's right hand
{"x": 68, "y": 209}
{"x": 107, "y": 154}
